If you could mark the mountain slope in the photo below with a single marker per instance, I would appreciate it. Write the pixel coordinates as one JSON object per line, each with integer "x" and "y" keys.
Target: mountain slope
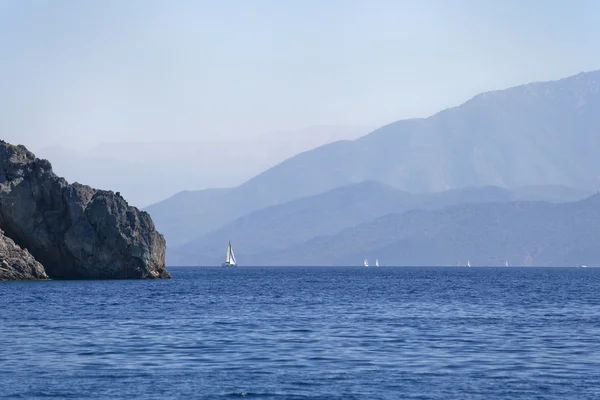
{"x": 522, "y": 233}
{"x": 536, "y": 134}
{"x": 149, "y": 172}
{"x": 291, "y": 224}
{"x": 190, "y": 214}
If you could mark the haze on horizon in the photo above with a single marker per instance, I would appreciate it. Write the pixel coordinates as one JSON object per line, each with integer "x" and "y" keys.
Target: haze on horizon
{"x": 77, "y": 74}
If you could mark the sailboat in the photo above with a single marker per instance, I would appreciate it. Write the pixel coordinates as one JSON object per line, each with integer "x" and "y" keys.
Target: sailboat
{"x": 229, "y": 258}
{"x": 506, "y": 263}
{"x": 468, "y": 263}
{"x": 366, "y": 263}
{"x": 376, "y": 262}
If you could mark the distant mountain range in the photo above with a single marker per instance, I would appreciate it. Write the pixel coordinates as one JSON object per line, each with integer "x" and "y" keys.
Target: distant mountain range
{"x": 520, "y": 233}
{"x": 148, "y": 172}
{"x": 531, "y": 135}
{"x": 262, "y": 234}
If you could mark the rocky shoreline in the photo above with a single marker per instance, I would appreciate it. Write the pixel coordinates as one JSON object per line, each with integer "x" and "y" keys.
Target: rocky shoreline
{"x": 16, "y": 263}
{"x": 70, "y": 231}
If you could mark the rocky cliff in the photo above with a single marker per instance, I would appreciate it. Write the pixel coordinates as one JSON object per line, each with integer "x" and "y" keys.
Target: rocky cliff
{"x": 73, "y": 230}
{"x": 16, "y": 263}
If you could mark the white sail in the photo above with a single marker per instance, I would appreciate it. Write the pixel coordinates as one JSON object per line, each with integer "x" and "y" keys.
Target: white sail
{"x": 228, "y": 255}
{"x": 376, "y": 262}
{"x": 506, "y": 263}
{"x": 469, "y": 263}
{"x": 366, "y": 263}
{"x": 232, "y": 256}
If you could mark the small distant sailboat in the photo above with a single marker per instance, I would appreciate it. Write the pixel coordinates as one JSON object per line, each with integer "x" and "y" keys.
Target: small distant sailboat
{"x": 506, "y": 263}
{"x": 377, "y": 262}
{"x": 229, "y": 258}
{"x": 366, "y": 263}
{"x": 468, "y": 263}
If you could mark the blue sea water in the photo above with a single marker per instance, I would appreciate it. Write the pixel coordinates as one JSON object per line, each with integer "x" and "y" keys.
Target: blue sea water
{"x": 306, "y": 333}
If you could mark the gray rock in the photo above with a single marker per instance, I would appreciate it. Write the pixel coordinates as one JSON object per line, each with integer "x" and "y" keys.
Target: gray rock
{"x": 16, "y": 263}
{"x": 75, "y": 231}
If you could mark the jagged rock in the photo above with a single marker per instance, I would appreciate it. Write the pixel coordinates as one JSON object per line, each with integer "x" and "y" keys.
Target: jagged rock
{"x": 75, "y": 231}
{"x": 16, "y": 263}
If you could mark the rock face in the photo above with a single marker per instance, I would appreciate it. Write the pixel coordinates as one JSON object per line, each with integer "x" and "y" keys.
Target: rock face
{"x": 16, "y": 263}
{"x": 75, "y": 231}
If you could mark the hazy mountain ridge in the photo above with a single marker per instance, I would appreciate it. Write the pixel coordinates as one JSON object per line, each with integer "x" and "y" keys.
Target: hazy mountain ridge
{"x": 522, "y": 233}
{"x": 508, "y": 138}
{"x": 536, "y": 134}
{"x": 149, "y": 172}
{"x": 284, "y": 226}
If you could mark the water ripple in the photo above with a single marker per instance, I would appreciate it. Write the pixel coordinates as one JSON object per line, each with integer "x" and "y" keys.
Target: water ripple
{"x": 306, "y": 333}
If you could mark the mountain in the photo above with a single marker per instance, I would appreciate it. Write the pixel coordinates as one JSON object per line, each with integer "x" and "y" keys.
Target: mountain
{"x": 522, "y": 233}
{"x": 290, "y": 224}
{"x": 551, "y": 193}
{"x": 149, "y": 172}
{"x": 536, "y": 134}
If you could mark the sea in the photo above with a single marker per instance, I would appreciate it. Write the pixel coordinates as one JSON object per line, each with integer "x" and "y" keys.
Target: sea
{"x": 306, "y": 333}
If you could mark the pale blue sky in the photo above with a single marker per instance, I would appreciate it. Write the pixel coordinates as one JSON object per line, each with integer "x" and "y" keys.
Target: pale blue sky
{"x": 82, "y": 72}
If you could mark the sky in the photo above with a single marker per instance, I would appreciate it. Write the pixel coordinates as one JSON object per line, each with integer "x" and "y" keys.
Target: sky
{"x": 77, "y": 73}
